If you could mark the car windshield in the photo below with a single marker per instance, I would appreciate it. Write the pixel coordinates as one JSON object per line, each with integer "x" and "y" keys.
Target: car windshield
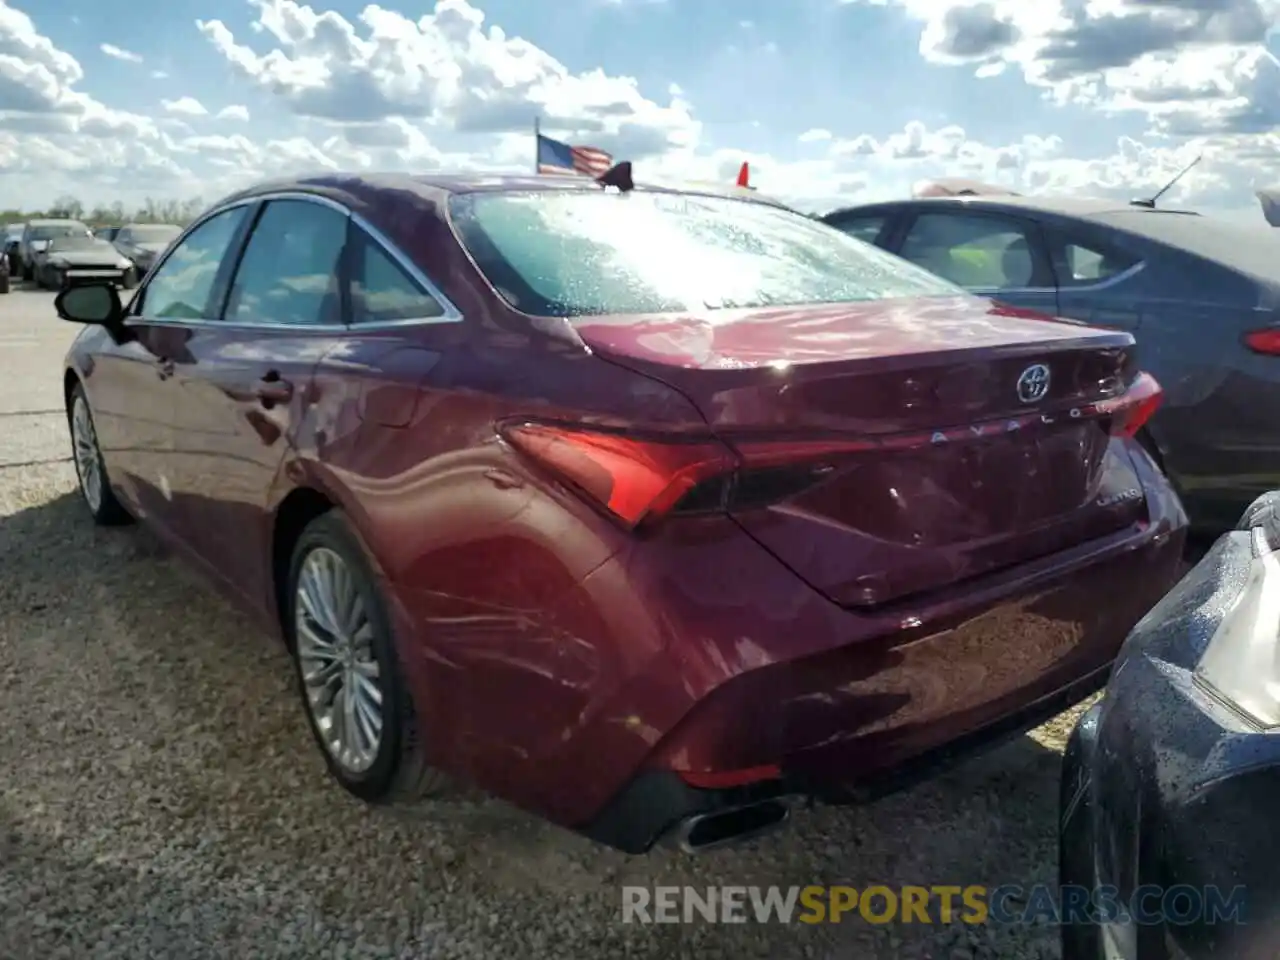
{"x": 74, "y": 242}
{"x": 553, "y": 253}
{"x": 49, "y": 231}
{"x": 153, "y": 233}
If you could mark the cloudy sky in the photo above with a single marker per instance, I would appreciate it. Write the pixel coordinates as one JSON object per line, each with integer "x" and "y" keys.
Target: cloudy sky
{"x": 830, "y": 100}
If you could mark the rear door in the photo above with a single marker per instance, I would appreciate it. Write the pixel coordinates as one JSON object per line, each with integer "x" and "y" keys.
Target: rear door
{"x": 989, "y": 253}
{"x": 1097, "y": 276}
{"x": 243, "y": 383}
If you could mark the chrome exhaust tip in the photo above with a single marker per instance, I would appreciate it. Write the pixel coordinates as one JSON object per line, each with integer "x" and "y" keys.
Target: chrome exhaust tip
{"x": 722, "y": 828}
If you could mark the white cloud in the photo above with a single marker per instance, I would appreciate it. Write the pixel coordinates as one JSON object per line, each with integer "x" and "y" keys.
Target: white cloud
{"x": 119, "y": 53}
{"x": 445, "y": 68}
{"x": 816, "y": 135}
{"x": 1192, "y": 66}
{"x": 381, "y": 91}
{"x": 185, "y": 107}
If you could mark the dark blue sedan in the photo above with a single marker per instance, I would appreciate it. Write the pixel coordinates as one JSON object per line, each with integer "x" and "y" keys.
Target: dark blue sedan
{"x": 1170, "y": 784}
{"x": 1201, "y": 295}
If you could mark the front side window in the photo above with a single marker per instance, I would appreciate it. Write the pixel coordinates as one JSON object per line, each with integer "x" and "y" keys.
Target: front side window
{"x": 1084, "y": 263}
{"x": 183, "y": 285}
{"x": 289, "y": 273}
{"x": 571, "y": 253}
{"x": 984, "y": 252}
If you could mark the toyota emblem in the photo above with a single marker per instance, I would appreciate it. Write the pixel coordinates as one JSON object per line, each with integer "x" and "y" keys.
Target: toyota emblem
{"x": 1033, "y": 383}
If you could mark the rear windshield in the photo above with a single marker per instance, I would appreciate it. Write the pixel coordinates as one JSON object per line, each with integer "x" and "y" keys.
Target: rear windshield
{"x": 571, "y": 254}
{"x": 47, "y": 231}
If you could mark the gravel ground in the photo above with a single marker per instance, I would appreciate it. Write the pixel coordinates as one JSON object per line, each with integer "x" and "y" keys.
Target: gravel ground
{"x": 160, "y": 795}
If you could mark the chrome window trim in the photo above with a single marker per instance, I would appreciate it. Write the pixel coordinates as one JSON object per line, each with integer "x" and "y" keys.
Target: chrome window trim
{"x": 450, "y": 314}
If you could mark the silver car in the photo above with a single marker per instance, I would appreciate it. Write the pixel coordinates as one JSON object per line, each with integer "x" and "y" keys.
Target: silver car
{"x": 35, "y": 241}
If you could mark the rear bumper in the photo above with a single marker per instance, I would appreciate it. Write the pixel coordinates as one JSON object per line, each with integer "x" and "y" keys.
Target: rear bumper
{"x": 1165, "y": 788}
{"x": 848, "y": 706}
{"x": 689, "y": 653}
{"x": 653, "y": 804}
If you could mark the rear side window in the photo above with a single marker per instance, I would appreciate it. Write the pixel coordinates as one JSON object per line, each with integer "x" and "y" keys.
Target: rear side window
{"x": 983, "y": 252}
{"x": 1082, "y": 263}
{"x": 580, "y": 253}
{"x": 382, "y": 291}
{"x": 866, "y": 229}
{"x": 289, "y": 273}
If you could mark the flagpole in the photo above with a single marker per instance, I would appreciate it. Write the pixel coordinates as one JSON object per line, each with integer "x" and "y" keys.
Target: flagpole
{"x": 537, "y": 132}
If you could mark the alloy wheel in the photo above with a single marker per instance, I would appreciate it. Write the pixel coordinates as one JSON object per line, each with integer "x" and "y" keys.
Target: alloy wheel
{"x": 340, "y": 673}
{"x": 84, "y": 447}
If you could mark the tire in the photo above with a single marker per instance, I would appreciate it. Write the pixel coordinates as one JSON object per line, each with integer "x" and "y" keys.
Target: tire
{"x": 129, "y": 279}
{"x": 395, "y": 769}
{"x": 27, "y": 273}
{"x": 4, "y": 284}
{"x": 91, "y": 471}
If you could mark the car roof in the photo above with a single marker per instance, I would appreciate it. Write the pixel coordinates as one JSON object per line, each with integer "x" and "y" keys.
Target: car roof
{"x": 1251, "y": 249}
{"x": 53, "y": 222}
{"x": 1079, "y": 207}
{"x": 436, "y": 187}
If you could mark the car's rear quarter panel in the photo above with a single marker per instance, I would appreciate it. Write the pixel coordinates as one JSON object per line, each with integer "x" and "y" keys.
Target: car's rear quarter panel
{"x": 477, "y": 548}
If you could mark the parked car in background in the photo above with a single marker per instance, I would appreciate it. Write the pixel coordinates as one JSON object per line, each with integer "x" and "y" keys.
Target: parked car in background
{"x": 78, "y": 259}
{"x": 106, "y": 233}
{"x": 1200, "y": 295}
{"x": 36, "y": 237}
{"x": 800, "y": 518}
{"x": 12, "y": 252}
{"x": 1168, "y": 782}
{"x": 141, "y": 243}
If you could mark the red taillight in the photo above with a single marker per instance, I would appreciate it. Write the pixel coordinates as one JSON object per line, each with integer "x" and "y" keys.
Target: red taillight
{"x": 641, "y": 480}
{"x": 634, "y": 479}
{"x": 1264, "y": 341}
{"x": 1131, "y": 410}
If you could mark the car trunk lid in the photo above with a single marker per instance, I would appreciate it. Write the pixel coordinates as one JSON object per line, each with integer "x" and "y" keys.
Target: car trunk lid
{"x": 901, "y": 446}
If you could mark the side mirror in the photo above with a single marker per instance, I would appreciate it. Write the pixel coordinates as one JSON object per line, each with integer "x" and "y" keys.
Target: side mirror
{"x": 96, "y": 303}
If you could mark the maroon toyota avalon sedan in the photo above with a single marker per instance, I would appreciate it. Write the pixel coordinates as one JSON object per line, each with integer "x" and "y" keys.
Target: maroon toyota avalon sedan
{"x": 647, "y": 510}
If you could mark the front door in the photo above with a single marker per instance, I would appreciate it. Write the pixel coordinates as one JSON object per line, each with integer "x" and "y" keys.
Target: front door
{"x": 245, "y": 382}
{"x": 140, "y": 407}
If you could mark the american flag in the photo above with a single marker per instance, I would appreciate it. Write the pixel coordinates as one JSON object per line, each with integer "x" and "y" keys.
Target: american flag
{"x": 557, "y": 157}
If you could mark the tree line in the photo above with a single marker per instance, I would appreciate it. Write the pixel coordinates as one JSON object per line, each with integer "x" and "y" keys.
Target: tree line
{"x": 180, "y": 212}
